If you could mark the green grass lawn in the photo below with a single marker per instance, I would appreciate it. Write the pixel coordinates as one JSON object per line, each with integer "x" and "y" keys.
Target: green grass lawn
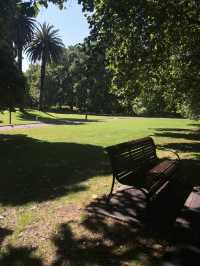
{"x": 33, "y": 116}
{"x": 49, "y": 175}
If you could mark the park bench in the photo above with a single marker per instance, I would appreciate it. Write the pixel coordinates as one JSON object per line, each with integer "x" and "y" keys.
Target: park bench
{"x": 135, "y": 163}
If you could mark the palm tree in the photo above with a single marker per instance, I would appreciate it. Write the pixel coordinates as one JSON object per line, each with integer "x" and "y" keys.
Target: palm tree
{"x": 23, "y": 26}
{"x": 46, "y": 47}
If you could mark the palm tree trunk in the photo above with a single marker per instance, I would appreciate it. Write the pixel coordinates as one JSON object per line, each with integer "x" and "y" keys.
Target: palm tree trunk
{"x": 19, "y": 53}
{"x": 10, "y": 115}
{"x": 20, "y": 59}
{"x": 42, "y": 78}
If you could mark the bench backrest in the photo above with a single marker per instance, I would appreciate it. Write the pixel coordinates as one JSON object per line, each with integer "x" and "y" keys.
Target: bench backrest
{"x": 132, "y": 158}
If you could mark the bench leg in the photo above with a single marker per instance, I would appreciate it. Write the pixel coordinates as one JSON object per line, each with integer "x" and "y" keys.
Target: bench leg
{"x": 111, "y": 191}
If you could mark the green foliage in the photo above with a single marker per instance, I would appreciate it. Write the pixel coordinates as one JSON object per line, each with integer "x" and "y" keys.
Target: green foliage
{"x": 12, "y": 85}
{"x": 146, "y": 53}
{"x": 46, "y": 47}
{"x": 80, "y": 80}
{"x": 32, "y": 76}
{"x": 46, "y": 44}
{"x": 22, "y": 29}
{"x": 12, "y": 82}
{"x": 152, "y": 49}
{"x": 16, "y": 31}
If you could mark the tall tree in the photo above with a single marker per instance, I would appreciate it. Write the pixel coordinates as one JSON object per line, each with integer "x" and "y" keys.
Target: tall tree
{"x": 46, "y": 47}
{"x": 144, "y": 36}
{"x": 12, "y": 82}
{"x": 23, "y": 26}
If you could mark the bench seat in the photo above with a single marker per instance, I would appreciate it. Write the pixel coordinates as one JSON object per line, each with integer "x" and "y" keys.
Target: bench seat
{"x": 135, "y": 163}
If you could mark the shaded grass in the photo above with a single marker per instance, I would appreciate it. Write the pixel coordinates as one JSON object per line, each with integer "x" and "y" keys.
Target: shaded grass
{"x": 49, "y": 175}
{"x": 45, "y": 170}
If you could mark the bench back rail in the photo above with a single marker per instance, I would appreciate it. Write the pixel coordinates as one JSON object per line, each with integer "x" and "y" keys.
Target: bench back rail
{"x": 131, "y": 161}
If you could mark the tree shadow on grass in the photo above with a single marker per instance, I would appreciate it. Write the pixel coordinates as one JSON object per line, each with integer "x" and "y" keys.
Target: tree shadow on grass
{"x": 195, "y": 125}
{"x": 174, "y": 129}
{"x": 17, "y": 256}
{"x": 20, "y": 256}
{"x": 36, "y": 171}
{"x": 185, "y": 243}
{"x": 190, "y": 168}
{"x": 107, "y": 241}
{"x": 178, "y": 133}
{"x": 54, "y": 120}
{"x": 100, "y": 240}
{"x": 4, "y": 232}
{"x": 109, "y": 244}
{"x": 186, "y": 232}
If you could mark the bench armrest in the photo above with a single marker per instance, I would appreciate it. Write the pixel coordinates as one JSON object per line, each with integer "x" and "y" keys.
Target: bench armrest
{"x": 166, "y": 149}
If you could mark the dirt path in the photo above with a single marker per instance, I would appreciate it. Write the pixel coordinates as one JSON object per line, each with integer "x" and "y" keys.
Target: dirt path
{"x": 12, "y": 127}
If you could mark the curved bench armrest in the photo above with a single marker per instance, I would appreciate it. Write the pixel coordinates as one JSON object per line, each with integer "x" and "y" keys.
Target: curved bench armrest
{"x": 166, "y": 149}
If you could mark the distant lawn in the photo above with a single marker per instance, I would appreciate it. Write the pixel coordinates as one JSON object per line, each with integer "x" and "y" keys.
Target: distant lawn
{"x": 49, "y": 175}
{"x": 33, "y": 116}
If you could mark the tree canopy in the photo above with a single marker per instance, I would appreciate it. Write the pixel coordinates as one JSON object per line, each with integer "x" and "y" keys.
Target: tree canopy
{"x": 79, "y": 81}
{"x": 151, "y": 45}
{"x": 46, "y": 47}
{"x": 12, "y": 80}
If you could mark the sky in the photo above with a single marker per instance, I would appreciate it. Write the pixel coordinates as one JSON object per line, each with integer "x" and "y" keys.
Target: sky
{"x": 72, "y": 24}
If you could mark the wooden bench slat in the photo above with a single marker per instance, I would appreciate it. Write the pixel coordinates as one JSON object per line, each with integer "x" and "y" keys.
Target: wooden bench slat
{"x": 136, "y": 163}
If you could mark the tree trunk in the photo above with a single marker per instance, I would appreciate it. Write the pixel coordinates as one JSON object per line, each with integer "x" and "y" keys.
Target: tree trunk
{"x": 42, "y": 78}
{"x": 71, "y": 107}
{"x": 19, "y": 63}
{"x": 20, "y": 59}
{"x": 10, "y": 115}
